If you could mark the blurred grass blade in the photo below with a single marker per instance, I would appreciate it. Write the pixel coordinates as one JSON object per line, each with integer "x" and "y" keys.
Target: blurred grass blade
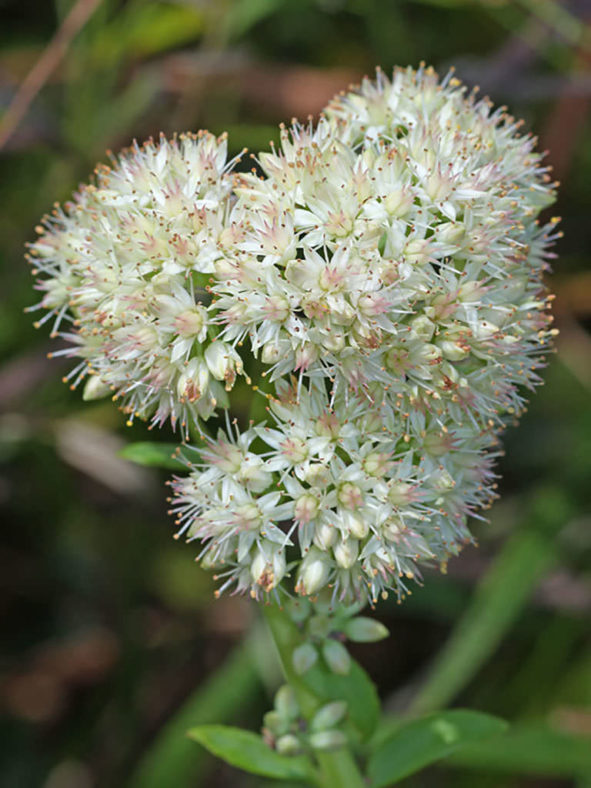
{"x": 247, "y": 13}
{"x": 530, "y": 749}
{"x": 498, "y": 601}
{"x": 145, "y": 29}
{"x": 419, "y": 743}
{"x": 558, "y": 18}
{"x": 172, "y": 758}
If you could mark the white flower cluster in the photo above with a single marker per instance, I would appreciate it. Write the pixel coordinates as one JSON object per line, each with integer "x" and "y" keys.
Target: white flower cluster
{"x": 386, "y": 271}
{"x": 127, "y": 265}
{"x": 358, "y": 500}
{"x": 397, "y": 242}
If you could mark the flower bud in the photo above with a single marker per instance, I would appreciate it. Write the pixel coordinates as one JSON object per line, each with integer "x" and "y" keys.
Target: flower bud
{"x": 95, "y": 388}
{"x": 422, "y": 328}
{"x": 274, "y": 723}
{"x": 365, "y": 630}
{"x": 223, "y": 362}
{"x": 336, "y": 657}
{"x": 327, "y": 740}
{"x": 398, "y": 201}
{"x": 288, "y": 745}
{"x": 192, "y": 323}
{"x": 376, "y": 464}
{"x": 333, "y": 341}
{"x": 286, "y": 703}
{"x": 328, "y": 716}
{"x": 305, "y": 356}
{"x": 442, "y": 480}
{"x": 453, "y": 351}
{"x": 252, "y": 473}
{"x": 303, "y": 658}
{"x": 400, "y": 493}
{"x": 317, "y": 474}
{"x": 276, "y": 308}
{"x": 417, "y": 251}
{"x": 268, "y": 572}
{"x": 270, "y": 353}
{"x": 356, "y": 525}
{"x": 346, "y": 553}
{"x": 314, "y": 573}
{"x": 306, "y": 508}
{"x": 325, "y": 536}
{"x": 193, "y": 383}
{"x": 350, "y": 496}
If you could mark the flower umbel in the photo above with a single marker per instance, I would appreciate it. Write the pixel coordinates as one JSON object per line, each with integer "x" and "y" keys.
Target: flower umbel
{"x": 384, "y": 275}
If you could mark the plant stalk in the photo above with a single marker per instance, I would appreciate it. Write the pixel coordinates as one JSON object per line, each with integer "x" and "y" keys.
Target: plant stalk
{"x": 338, "y": 769}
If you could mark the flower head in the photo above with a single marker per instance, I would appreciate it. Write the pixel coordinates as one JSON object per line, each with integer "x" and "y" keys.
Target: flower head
{"x": 411, "y": 252}
{"x": 125, "y": 271}
{"x": 385, "y": 271}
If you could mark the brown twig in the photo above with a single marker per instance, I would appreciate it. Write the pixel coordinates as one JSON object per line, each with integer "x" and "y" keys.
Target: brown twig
{"x": 44, "y": 67}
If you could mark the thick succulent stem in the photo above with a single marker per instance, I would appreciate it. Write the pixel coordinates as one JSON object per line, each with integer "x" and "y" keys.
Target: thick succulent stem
{"x": 337, "y": 769}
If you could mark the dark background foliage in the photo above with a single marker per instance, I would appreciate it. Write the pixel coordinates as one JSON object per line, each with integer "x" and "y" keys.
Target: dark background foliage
{"x": 112, "y": 642}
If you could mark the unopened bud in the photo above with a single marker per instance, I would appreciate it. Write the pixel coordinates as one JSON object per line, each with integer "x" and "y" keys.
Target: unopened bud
{"x": 95, "y": 388}
{"x": 365, "y": 630}
{"x": 303, "y": 658}
{"x": 286, "y": 703}
{"x": 356, "y": 525}
{"x": 327, "y": 740}
{"x": 288, "y": 745}
{"x": 325, "y": 536}
{"x": 223, "y": 362}
{"x": 336, "y": 657}
{"x": 314, "y": 573}
{"x": 306, "y": 508}
{"x": 329, "y": 716}
{"x": 346, "y": 553}
{"x": 350, "y": 495}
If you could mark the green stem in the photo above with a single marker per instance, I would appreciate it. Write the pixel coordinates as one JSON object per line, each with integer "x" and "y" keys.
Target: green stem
{"x": 286, "y": 637}
{"x": 337, "y": 769}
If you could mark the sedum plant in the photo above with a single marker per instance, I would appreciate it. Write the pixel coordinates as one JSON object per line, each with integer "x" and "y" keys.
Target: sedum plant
{"x": 375, "y": 283}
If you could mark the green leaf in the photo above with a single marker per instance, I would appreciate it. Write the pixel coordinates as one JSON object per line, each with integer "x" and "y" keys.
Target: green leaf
{"x": 529, "y": 749}
{"x": 421, "y": 742}
{"x": 155, "y": 455}
{"x": 356, "y": 689}
{"x": 248, "y": 752}
{"x": 498, "y": 601}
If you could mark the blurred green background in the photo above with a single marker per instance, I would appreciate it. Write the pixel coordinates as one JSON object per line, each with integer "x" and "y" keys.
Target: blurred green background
{"x": 112, "y": 643}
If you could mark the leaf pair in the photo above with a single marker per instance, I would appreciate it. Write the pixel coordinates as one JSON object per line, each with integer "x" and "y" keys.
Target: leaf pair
{"x": 408, "y": 749}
